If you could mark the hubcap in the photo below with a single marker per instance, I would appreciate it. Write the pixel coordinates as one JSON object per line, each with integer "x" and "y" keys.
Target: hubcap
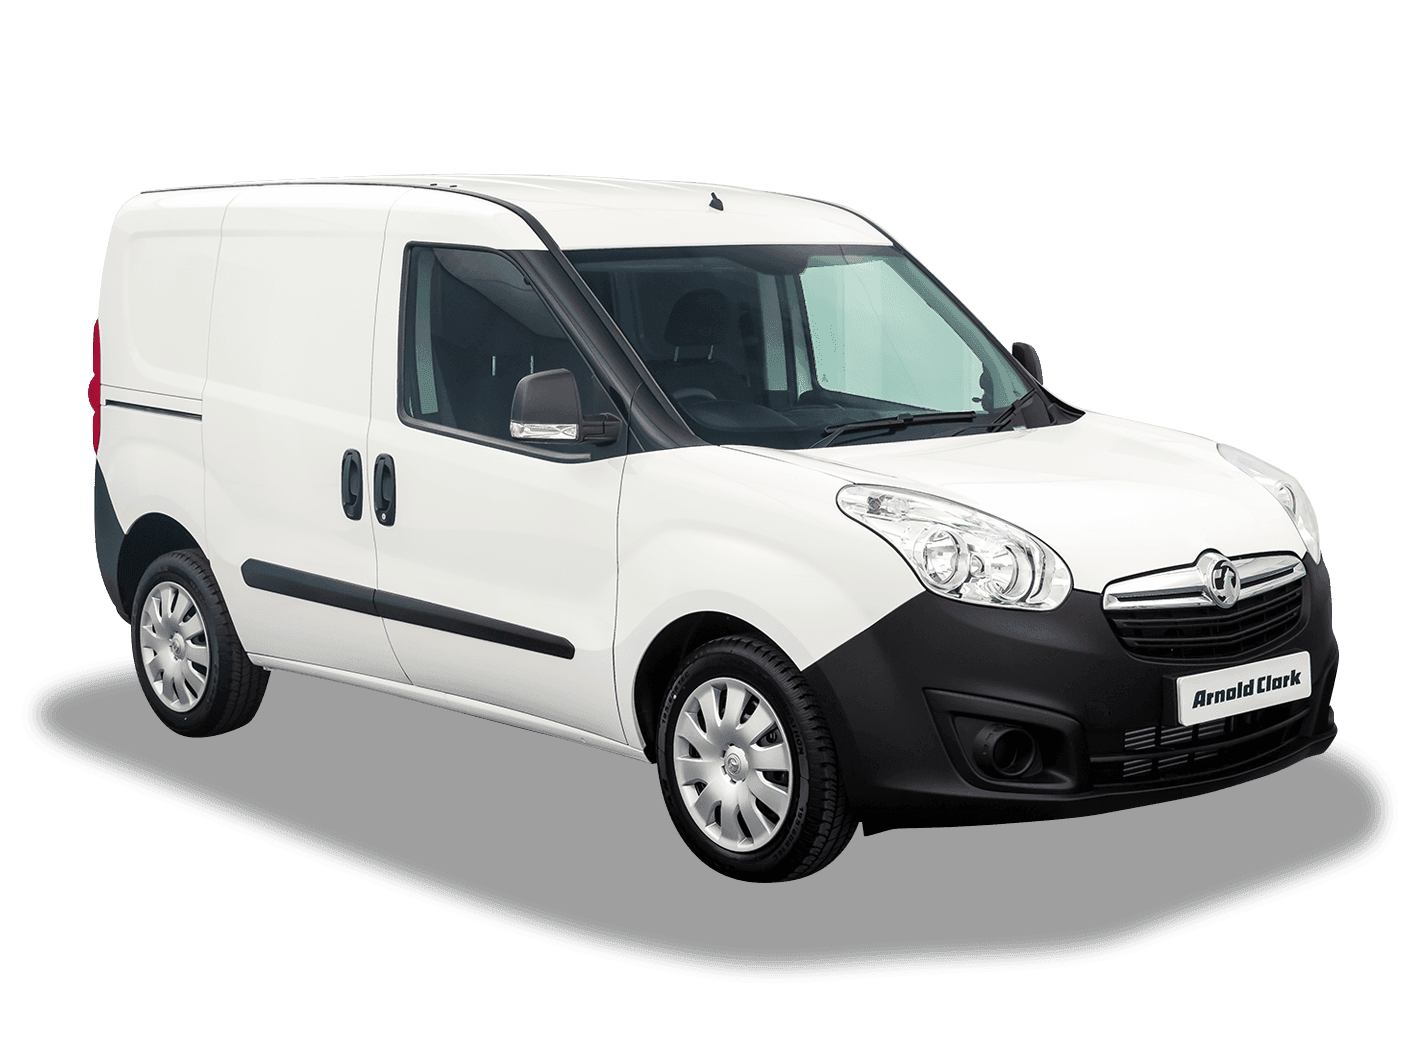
{"x": 735, "y": 763}
{"x": 732, "y": 764}
{"x": 172, "y": 639}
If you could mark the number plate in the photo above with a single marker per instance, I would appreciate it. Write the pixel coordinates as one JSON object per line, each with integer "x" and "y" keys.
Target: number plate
{"x": 1226, "y": 692}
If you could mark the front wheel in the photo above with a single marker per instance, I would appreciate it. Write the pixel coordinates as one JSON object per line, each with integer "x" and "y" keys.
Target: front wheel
{"x": 747, "y": 766}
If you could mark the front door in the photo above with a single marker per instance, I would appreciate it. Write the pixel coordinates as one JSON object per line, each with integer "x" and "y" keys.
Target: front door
{"x": 496, "y": 559}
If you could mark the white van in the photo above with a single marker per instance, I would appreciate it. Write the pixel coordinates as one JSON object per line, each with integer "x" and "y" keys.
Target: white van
{"x": 712, "y": 478}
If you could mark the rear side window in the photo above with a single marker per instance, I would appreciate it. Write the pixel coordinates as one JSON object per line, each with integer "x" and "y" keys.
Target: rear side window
{"x": 473, "y": 326}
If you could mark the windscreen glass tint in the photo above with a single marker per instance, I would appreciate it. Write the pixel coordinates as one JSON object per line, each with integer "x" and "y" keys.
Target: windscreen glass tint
{"x": 775, "y": 345}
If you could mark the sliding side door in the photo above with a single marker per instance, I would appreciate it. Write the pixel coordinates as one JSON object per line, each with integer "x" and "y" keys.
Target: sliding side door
{"x": 287, "y": 396}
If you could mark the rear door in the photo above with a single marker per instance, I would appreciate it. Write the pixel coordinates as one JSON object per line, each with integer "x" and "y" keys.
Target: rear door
{"x": 497, "y": 573}
{"x": 287, "y": 394}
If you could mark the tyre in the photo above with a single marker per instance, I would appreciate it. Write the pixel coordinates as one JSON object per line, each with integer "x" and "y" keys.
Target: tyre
{"x": 191, "y": 665}
{"x": 747, "y": 765}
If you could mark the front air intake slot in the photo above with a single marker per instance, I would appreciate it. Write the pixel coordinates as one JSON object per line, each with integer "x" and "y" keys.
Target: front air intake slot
{"x": 1173, "y": 615}
{"x": 1208, "y": 633}
{"x": 1155, "y": 754}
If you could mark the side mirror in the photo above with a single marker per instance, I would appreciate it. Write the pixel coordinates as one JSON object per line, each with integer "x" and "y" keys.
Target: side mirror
{"x": 546, "y": 408}
{"x": 1028, "y": 358}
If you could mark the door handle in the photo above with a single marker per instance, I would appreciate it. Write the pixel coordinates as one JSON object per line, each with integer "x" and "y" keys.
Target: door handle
{"x": 351, "y": 485}
{"x": 384, "y": 489}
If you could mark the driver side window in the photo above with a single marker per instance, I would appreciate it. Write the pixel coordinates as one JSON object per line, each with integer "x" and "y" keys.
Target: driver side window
{"x": 473, "y": 326}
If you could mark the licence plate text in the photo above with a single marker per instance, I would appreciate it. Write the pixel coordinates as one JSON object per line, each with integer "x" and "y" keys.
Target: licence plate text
{"x": 1226, "y": 692}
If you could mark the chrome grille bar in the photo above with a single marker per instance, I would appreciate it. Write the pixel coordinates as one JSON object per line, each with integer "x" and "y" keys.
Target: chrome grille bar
{"x": 1184, "y": 587}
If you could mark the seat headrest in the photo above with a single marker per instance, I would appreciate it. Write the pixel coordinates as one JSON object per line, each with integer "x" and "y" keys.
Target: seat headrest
{"x": 700, "y": 318}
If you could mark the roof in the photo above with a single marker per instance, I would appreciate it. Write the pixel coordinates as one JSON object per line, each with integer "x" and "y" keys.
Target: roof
{"x": 592, "y": 212}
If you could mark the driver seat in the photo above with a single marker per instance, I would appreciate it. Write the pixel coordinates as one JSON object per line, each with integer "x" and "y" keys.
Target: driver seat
{"x": 700, "y": 323}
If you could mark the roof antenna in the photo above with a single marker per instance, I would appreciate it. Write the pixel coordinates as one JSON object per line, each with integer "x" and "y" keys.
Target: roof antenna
{"x": 715, "y": 202}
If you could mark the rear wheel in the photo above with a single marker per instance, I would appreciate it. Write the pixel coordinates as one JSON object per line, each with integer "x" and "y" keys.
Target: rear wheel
{"x": 747, "y": 766}
{"x": 191, "y": 665}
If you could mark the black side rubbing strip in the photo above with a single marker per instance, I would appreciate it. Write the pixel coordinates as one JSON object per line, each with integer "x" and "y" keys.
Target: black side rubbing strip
{"x": 294, "y": 583}
{"x": 153, "y": 409}
{"x": 441, "y": 618}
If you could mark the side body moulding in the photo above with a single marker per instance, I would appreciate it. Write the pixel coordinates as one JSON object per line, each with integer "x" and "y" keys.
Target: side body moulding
{"x": 341, "y": 595}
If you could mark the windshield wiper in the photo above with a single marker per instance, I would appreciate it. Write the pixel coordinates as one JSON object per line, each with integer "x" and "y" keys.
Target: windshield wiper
{"x": 832, "y": 432}
{"x": 1004, "y": 416}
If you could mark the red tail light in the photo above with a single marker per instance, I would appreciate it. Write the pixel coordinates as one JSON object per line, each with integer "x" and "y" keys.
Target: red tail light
{"x": 94, "y": 385}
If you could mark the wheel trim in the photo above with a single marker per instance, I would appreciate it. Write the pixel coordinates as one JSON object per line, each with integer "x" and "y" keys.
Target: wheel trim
{"x": 172, "y": 640}
{"x": 732, "y": 765}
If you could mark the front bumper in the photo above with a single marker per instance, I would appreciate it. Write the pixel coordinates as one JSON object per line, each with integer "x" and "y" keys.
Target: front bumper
{"x": 900, "y": 695}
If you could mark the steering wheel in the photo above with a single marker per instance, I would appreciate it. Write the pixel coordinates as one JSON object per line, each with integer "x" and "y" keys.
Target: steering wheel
{"x": 685, "y": 394}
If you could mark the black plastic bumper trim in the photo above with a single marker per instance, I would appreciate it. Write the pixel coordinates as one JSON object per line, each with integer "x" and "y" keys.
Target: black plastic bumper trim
{"x": 1157, "y": 752}
{"x": 294, "y": 583}
{"x": 902, "y": 696}
{"x": 1061, "y": 741}
{"x": 1236, "y": 771}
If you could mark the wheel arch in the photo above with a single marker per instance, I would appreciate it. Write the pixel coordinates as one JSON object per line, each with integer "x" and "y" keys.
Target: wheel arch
{"x": 674, "y": 642}
{"x": 147, "y": 539}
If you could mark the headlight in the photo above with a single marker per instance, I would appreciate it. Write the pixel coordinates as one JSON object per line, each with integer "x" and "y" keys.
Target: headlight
{"x": 960, "y": 552}
{"x": 1286, "y": 492}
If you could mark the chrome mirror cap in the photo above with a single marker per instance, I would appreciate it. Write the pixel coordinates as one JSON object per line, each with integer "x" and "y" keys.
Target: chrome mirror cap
{"x": 560, "y": 433}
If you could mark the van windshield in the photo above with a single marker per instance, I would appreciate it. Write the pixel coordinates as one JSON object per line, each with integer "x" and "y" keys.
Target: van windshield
{"x": 780, "y": 346}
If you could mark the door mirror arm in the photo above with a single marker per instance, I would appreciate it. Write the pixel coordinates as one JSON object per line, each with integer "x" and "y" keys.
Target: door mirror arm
{"x": 601, "y": 431}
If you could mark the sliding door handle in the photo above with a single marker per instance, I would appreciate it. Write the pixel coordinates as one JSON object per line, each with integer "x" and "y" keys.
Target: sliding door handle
{"x": 351, "y": 485}
{"x": 384, "y": 489}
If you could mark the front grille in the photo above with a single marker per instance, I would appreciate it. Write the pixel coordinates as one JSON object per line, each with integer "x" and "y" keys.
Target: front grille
{"x": 1206, "y": 632}
{"x": 1158, "y": 753}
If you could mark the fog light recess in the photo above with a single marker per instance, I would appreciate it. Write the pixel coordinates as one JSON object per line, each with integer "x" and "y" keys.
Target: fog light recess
{"x": 1004, "y": 751}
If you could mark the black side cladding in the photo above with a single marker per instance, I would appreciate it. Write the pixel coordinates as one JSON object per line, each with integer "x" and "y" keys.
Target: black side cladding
{"x": 107, "y": 537}
{"x": 293, "y": 583}
{"x": 470, "y": 625}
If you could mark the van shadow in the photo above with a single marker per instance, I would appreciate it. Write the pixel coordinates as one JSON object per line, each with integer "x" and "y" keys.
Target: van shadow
{"x": 564, "y": 834}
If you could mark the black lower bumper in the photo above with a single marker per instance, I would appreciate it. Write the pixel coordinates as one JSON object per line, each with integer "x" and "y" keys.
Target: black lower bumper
{"x": 904, "y": 697}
